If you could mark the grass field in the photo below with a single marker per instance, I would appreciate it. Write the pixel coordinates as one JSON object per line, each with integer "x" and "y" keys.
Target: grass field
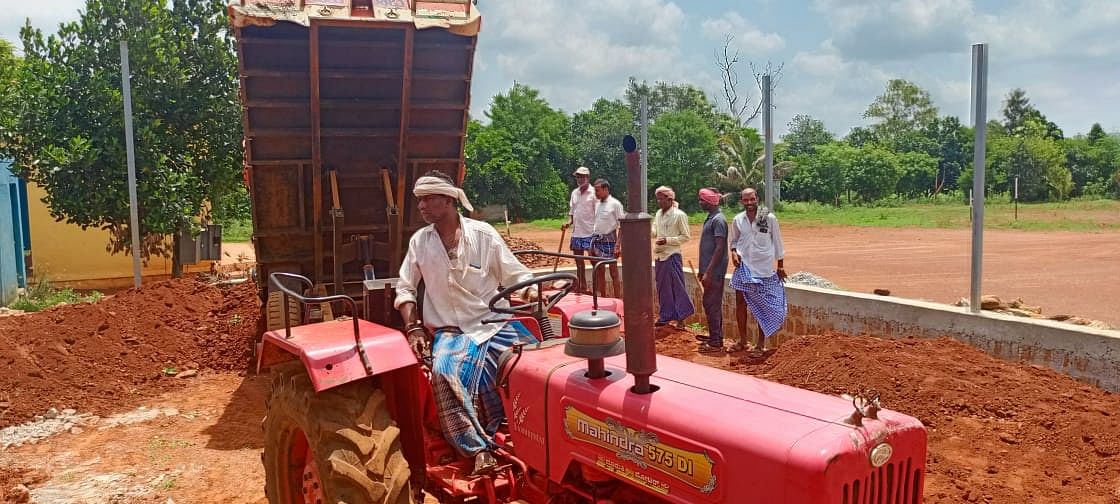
{"x": 1078, "y": 215}
{"x": 1087, "y": 215}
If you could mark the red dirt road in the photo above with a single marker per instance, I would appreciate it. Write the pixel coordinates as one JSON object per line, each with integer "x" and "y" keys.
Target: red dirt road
{"x": 1067, "y": 273}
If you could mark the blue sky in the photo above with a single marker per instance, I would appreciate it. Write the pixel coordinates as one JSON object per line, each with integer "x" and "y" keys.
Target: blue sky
{"x": 838, "y": 54}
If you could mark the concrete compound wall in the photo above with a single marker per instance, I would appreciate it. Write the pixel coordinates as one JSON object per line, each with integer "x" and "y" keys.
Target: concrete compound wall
{"x": 1087, "y": 354}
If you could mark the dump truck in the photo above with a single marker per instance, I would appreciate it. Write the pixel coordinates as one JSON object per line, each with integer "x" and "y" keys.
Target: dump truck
{"x": 346, "y": 104}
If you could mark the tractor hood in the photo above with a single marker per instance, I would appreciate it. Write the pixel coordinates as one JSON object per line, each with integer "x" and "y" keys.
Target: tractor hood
{"x": 708, "y": 435}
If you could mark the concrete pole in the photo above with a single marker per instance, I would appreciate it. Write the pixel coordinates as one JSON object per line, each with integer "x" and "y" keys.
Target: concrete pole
{"x": 767, "y": 126}
{"x": 980, "y": 125}
{"x": 644, "y": 150}
{"x": 134, "y": 218}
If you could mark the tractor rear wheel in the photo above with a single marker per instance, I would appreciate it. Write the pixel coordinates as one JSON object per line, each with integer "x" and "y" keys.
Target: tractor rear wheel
{"x": 339, "y": 445}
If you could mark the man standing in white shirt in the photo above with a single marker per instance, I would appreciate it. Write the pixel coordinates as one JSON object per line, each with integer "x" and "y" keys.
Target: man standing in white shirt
{"x": 756, "y": 243}
{"x": 462, "y": 262}
{"x": 581, "y": 218}
{"x": 670, "y": 230}
{"x": 604, "y": 235}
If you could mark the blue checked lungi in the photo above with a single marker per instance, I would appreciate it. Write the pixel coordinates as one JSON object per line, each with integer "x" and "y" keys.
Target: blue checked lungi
{"x": 672, "y": 295}
{"x": 464, "y": 379}
{"x": 578, "y": 243}
{"x": 603, "y": 245}
{"x": 766, "y": 298}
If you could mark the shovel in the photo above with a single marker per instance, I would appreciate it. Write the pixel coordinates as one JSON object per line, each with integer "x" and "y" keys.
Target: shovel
{"x": 559, "y": 249}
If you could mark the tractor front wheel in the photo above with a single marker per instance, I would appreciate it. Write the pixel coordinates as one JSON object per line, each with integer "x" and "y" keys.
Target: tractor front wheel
{"x": 339, "y": 445}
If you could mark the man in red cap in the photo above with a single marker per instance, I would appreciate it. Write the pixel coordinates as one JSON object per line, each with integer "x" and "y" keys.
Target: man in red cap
{"x": 713, "y": 268}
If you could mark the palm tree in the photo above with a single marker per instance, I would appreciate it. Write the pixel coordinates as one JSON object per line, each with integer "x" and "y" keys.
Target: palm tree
{"x": 742, "y": 155}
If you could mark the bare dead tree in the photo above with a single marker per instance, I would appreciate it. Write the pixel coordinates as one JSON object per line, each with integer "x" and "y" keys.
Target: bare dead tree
{"x": 741, "y": 103}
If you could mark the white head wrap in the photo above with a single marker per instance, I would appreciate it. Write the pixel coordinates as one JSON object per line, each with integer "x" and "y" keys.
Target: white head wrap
{"x": 667, "y": 191}
{"x": 427, "y": 186}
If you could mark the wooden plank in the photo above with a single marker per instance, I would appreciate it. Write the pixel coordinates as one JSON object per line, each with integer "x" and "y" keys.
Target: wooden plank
{"x": 274, "y": 42}
{"x": 277, "y": 103}
{"x": 301, "y": 188}
{"x": 296, "y": 232}
{"x": 433, "y": 160}
{"x": 359, "y": 103}
{"x": 438, "y": 105}
{"x": 247, "y": 158}
{"x": 436, "y": 132}
{"x": 316, "y": 157}
{"x": 278, "y": 132}
{"x": 342, "y": 73}
{"x": 396, "y": 236}
{"x": 280, "y": 162}
{"x": 466, "y": 116}
{"x": 436, "y": 76}
{"x": 330, "y": 45}
{"x": 273, "y": 72}
{"x": 358, "y": 132}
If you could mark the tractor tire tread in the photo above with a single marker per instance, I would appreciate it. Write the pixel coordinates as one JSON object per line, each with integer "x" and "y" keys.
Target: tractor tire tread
{"x": 354, "y": 440}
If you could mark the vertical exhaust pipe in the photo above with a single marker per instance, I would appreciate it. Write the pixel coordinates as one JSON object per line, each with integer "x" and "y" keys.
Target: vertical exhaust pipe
{"x": 637, "y": 275}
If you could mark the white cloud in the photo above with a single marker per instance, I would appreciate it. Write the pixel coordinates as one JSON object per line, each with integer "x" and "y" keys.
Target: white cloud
{"x": 746, "y": 36}
{"x": 886, "y": 29}
{"x": 44, "y": 14}
{"x": 574, "y": 59}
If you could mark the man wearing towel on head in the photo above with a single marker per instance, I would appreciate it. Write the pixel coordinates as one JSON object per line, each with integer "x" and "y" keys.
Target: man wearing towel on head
{"x": 670, "y": 230}
{"x": 462, "y": 262}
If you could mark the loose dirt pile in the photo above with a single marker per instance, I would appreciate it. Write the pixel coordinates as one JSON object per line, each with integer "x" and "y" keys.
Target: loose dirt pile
{"x": 101, "y": 357}
{"x": 998, "y": 431}
{"x": 530, "y": 260}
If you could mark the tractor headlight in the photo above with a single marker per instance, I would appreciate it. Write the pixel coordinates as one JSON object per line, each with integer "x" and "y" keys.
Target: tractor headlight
{"x": 881, "y": 454}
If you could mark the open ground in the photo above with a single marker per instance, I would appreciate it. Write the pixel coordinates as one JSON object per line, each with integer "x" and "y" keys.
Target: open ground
{"x": 1064, "y": 272}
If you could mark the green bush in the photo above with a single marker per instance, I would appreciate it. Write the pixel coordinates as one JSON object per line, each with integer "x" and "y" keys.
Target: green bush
{"x": 42, "y": 296}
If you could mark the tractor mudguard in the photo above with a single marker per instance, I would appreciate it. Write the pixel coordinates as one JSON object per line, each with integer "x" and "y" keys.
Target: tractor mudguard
{"x": 329, "y": 354}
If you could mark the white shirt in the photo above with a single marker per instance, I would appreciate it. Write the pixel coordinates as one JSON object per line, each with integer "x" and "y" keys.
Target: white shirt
{"x": 457, "y": 292}
{"x": 581, "y": 206}
{"x": 673, "y": 227}
{"x": 758, "y": 249}
{"x": 607, "y": 214}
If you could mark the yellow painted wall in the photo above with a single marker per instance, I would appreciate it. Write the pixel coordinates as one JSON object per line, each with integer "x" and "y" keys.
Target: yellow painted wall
{"x": 68, "y": 256}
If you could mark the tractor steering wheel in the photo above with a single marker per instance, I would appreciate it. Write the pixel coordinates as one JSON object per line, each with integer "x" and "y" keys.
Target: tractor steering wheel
{"x": 542, "y": 305}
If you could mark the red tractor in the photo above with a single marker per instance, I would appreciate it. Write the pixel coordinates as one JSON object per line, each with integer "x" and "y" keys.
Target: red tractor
{"x": 346, "y": 102}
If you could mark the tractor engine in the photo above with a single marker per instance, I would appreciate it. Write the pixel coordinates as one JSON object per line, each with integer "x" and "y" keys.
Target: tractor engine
{"x": 707, "y": 435}
{"x": 683, "y": 432}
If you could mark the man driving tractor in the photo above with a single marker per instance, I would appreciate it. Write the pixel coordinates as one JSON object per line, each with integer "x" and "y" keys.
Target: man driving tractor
{"x": 462, "y": 263}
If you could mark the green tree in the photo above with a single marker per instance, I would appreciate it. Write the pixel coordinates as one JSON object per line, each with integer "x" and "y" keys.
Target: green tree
{"x": 953, "y": 150}
{"x": 9, "y": 84}
{"x": 819, "y": 176}
{"x": 918, "y": 174}
{"x": 1016, "y": 108}
{"x": 903, "y": 107}
{"x": 1096, "y": 133}
{"x": 1092, "y": 162}
{"x": 663, "y": 97}
{"x": 597, "y": 138}
{"x": 682, "y": 154}
{"x": 517, "y": 159}
{"x": 68, "y": 132}
{"x": 1039, "y": 162}
{"x": 805, "y": 134}
{"x": 1022, "y": 118}
{"x": 739, "y": 151}
{"x": 873, "y": 174}
{"x": 860, "y": 136}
